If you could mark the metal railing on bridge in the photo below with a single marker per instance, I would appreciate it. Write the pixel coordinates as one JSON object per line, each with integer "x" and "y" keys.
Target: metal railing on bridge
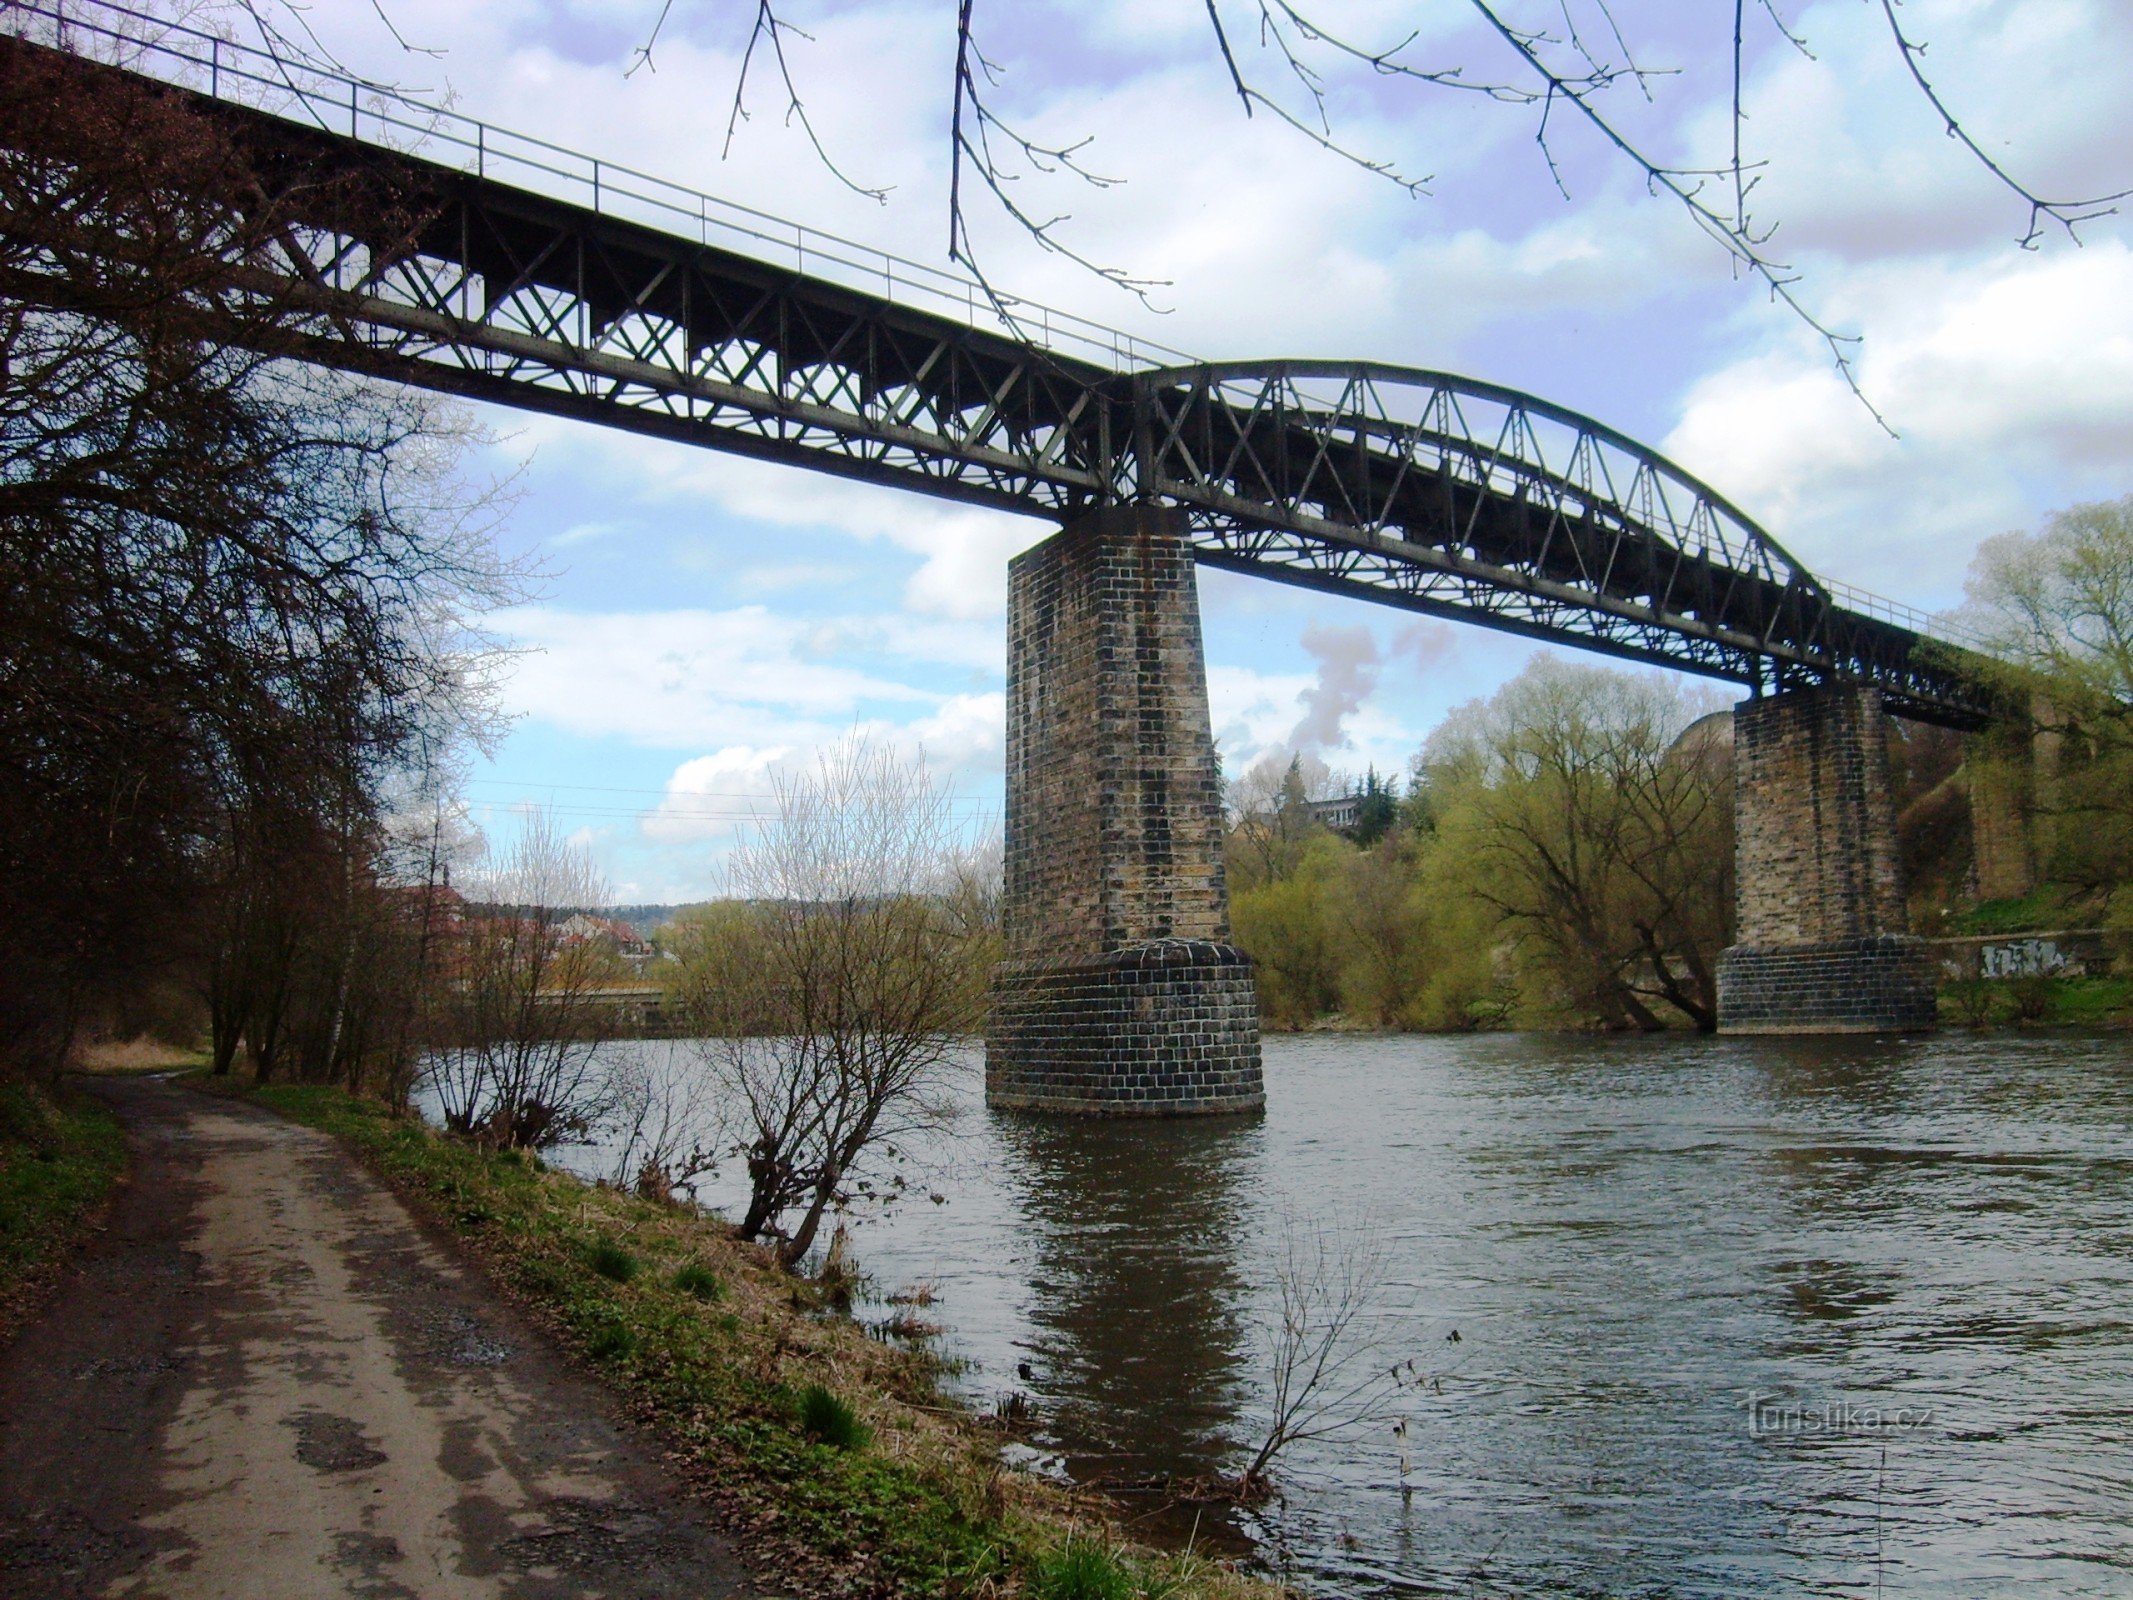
{"x": 607, "y": 293}
{"x": 336, "y": 102}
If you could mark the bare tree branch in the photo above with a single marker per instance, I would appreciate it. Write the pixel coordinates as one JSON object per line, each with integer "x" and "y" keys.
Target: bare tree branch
{"x": 972, "y": 127}
{"x": 2069, "y": 214}
{"x": 643, "y": 56}
{"x": 1686, "y": 185}
{"x": 769, "y": 26}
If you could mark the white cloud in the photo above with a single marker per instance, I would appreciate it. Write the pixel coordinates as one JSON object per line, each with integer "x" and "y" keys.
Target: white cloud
{"x": 711, "y": 797}
{"x": 1253, "y": 711}
{"x": 1857, "y": 164}
{"x": 963, "y": 550}
{"x": 681, "y": 677}
{"x": 584, "y": 533}
{"x": 1999, "y": 377}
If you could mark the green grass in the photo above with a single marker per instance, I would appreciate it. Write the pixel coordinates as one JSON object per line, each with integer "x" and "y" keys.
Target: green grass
{"x": 2034, "y": 1001}
{"x": 2079, "y": 1001}
{"x": 612, "y": 1262}
{"x": 699, "y": 1282}
{"x": 832, "y": 1421}
{"x": 1082, "y": 1570}
{"x": 2043, "y": 909}
{"x": 59, "y": 1158}
{"x": 732, "y": 1386}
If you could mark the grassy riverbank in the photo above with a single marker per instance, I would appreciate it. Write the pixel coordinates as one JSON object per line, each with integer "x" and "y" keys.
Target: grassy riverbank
{"x": 60, "y": 1155}
{"x": 840, "y": 1465}
{"x": 2037, "y": 1002}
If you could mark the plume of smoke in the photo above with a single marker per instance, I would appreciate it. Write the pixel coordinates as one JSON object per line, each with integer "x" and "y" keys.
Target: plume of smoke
{"x": 1425, "y": 641}
{"x": 1348, "y": 665}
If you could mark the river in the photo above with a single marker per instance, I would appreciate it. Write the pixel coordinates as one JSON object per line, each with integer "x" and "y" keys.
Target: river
{"x": 1732, "y": 1317}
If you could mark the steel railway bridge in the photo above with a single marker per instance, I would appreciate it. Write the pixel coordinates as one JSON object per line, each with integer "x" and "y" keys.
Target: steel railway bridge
{"x": 521, "y": 273}
{"x": 640, "y": 305}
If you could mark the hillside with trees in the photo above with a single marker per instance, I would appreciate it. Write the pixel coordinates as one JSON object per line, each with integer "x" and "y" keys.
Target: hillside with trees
{"x": 1560, "y": 853}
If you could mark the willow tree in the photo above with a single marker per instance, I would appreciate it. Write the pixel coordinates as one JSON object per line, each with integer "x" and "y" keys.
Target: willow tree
{"x": 1599, "y": 832}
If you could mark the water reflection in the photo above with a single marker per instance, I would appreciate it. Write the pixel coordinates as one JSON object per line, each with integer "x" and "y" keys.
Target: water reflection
{"x": 1632, "y": 1237}
{"x": 1136, "y": 1295}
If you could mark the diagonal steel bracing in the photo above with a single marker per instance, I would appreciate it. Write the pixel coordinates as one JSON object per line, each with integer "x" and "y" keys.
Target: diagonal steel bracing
{"x": 1414, "y": 489}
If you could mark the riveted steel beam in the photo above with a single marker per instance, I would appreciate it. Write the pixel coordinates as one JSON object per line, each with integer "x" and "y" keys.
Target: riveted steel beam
{"x": 1416, "y": 489}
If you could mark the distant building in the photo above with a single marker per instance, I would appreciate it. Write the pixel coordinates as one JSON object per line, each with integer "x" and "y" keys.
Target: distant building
{"x": 582, "y": 927}
{"x": 1339, "y": 814}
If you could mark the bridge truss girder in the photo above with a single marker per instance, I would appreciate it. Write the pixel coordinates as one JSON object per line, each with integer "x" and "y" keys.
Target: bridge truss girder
{"x": 1419, "y": 490}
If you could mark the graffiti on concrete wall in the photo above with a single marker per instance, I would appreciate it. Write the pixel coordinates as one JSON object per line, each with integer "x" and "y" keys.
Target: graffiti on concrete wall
{"x": 2021, "y": 958}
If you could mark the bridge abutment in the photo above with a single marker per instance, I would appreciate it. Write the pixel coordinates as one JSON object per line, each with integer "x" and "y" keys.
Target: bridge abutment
{"x": 1824, "y": 939}
{"x": 2002, "y": 804}
{"x": 1120, "y": 993}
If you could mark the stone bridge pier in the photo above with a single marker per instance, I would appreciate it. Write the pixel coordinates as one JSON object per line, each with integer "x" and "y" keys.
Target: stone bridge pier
{"x": 1120, "y": 992}
{"x": 1824, "y": 939}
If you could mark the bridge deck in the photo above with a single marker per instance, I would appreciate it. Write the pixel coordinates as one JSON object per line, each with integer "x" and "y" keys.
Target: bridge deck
{"x": 1419, "y": 490}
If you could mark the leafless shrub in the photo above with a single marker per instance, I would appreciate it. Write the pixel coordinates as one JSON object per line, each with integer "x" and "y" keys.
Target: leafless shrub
{"x": 1324, "y": 1364}
{"x": 832, "y": 1003}
{"x": 523, "y": 1070}
{"x": 666, "y": 1122}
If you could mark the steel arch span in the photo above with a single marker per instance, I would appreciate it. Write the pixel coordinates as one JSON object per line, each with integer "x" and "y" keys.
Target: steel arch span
{"x": 1440, "y": 494}
{"x": 640, "y": 305}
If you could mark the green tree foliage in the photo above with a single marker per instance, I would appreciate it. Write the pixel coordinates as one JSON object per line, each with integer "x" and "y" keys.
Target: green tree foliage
{"x": 1565, "y": 850}
{"x": 1288, "y": 925}
{"x": 2056, "y": 608}
{"x": 1602, "y": 837}
{"x": 1377, "y": 809}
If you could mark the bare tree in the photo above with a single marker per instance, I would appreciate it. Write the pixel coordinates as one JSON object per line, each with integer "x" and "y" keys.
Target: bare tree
{"x": 238, "y": 592}
{"x": 1270, "y": 813}
{"x": 522, "y": 1068}
{"x": 666, "y": 1121}
{"x": 832, "y": 1001}
{"x": 1326, "y": 1375}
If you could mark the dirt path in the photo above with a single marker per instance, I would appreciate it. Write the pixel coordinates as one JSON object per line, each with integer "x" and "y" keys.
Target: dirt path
{"x": 266, "y": 1381}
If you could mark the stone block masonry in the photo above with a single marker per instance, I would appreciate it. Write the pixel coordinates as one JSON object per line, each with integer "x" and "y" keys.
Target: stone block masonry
{"x": 1120, "y": 992}
{"x": 1169, "y": 1028}
{"x": 1824, "y": 941}
{"x": 2000, "y": 807}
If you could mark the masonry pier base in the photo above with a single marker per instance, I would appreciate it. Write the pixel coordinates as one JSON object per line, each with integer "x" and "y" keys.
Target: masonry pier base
{"x": 1824, "y": 939}
{"x": 1120, "y": 993}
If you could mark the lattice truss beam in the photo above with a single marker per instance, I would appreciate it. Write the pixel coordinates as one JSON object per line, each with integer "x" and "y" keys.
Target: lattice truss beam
{"x": 1462, "y": 499}
{"x": 1415, "y": 489}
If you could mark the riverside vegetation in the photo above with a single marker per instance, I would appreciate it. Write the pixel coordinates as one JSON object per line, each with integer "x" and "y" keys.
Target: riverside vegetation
{"x": 1561, "y": 854}
{"x": 60, "y": 1154}
{"x": 832, "y": 1452}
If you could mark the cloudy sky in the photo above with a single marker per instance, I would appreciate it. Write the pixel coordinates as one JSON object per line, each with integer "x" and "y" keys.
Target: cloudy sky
{"x": 705, "y": 618}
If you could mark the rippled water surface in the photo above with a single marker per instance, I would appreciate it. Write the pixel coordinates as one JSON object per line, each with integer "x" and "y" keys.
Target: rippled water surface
{"x": 1631, "y": 1238}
